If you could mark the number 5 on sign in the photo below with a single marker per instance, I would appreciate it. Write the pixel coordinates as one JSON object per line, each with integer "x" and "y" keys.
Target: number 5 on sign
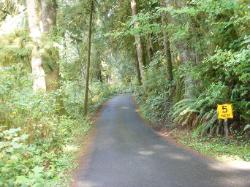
{"x": 225, "y": 111}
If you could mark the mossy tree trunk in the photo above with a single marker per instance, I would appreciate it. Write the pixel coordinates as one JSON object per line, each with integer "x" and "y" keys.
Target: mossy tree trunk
{"x": 166, "y": 44}
{"x": 48, "y": 18}
{"x": 137, "y": 65}
{"x": 48, "y": 14}
{"x": 38, "y": 74}
{"x": 86, "y": 98}
{"x": 138, "y": 43}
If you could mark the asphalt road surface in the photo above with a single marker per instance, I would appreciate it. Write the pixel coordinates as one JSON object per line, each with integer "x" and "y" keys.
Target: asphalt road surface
{"x": 127, "y": 153}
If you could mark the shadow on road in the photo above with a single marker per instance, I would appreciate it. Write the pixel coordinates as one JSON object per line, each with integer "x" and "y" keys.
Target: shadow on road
{"x": 127, "y": 153}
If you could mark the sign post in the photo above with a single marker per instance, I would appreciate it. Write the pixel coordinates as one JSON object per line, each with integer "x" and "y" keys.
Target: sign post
{"x": 225, "y": 112}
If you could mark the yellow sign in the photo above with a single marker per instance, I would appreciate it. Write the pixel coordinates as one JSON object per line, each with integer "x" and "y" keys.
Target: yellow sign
{"x": 225, "y": 111}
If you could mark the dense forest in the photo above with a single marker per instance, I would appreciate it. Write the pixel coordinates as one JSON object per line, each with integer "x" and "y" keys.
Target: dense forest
{"x": 60, "y": 60}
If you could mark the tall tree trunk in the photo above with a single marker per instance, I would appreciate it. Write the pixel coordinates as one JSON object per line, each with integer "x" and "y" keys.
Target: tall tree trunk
{"x": 98, "y": 67}
{"x": 89, "y": 58}
{"x": 138, "y": 43}
{"x": 149, "y": 48}
{"x": 48, "y": 14}
{"x": 38, "y": 73}
{"x": 186, "y": 53}
{"x": 48, "y": 17}
{"x": 166, "y": 44}
{"x": 167, "y": 50}
{"x": 187, "y": 56}
{"x": 99, "y": 71}
{"x": 137, "y": 65}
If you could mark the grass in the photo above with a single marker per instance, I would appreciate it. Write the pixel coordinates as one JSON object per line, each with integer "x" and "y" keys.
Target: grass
{"x": 216, "y": 147}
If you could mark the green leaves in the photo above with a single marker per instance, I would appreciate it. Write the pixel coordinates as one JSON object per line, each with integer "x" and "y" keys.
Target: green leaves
{"x": 225, "y": 78}
{"x": 34, "y": 131}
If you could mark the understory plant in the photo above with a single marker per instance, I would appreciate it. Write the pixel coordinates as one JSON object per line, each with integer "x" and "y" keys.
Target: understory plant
{"x": 227, "y": 74}
{"x": 39, "y": 131}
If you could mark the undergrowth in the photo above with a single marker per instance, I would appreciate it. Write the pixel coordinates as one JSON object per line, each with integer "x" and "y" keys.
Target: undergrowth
{"x": 217, "y": 147}
{"x": 39, "y": 131}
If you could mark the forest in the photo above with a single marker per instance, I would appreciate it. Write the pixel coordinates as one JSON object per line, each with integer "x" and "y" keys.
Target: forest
{"x": 60, "y": 60}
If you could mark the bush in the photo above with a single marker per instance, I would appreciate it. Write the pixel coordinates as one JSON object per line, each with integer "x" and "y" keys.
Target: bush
{"x": 227, "y": 74}
{"x": 155, "y": 93}
{"x": 35, "y": 133}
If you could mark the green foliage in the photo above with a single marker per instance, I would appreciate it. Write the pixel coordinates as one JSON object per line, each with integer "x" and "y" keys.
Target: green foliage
{"x": 39, "y": 162}
{"x": 227, "y": 74}
{"x": 154, "y": 94}
{"x": 35, "y": 134}
{"x": 215, "y": 37}
{"x": 99, "y": 92}
{"x": 38, "y": 131}
{"x": 201, "y": 111}
{"x": 7, "y": 7}
{"x": 13, "y": 49}
{"x": 217, "y": 147}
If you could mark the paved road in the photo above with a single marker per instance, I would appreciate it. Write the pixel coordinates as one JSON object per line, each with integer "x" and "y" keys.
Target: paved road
{"x": 126, "y": 153}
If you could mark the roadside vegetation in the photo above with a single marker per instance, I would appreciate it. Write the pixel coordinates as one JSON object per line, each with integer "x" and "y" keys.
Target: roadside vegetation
{"x": 201, "y": 61}
{"x": 216, "y": 147}
{"x": 209, "y": 48}
{"x": 40, "y": 136}
{"x": 42, "y": 83}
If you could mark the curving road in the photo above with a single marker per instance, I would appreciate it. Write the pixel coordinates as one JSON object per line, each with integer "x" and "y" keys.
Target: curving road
{"x": 126, "y": 153}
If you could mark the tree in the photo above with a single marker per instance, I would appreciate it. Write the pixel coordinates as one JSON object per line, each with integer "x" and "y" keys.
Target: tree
{"x": 50, "y": 57}
{"x": 48, "y": 14}
{"x": 166, "y": 44}
{"x": 137, "y": 65}
{"x": 139, "y": 49}
{"x": 89, "y": 58}
{"x": 38, "y": 74}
